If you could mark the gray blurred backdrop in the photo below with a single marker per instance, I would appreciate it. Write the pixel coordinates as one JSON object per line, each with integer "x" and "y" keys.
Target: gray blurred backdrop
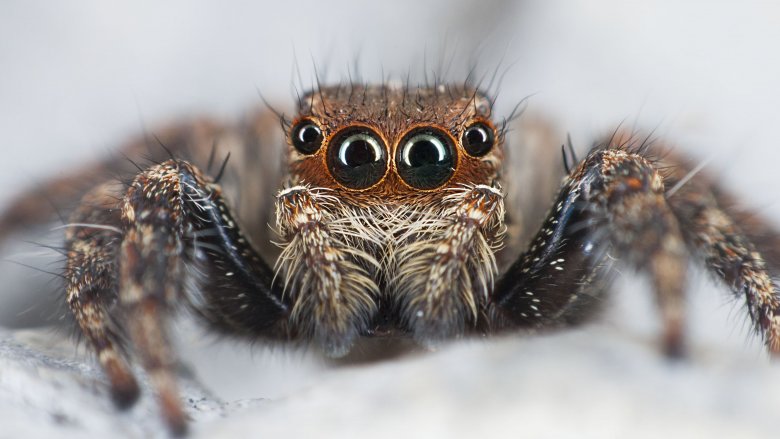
{"x": 78, "y": 77}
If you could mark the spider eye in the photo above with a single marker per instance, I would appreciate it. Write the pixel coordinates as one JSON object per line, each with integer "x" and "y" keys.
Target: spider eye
{"x": 307, "y": 137}
{"x": 357, "y": 158}
{"x": 478, "y": 139}
{"x": 426, "y": 159}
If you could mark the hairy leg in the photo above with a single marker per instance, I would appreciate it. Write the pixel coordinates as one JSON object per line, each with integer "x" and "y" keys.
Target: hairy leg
{"x": 169, "y": 241}
{"x": 740, "y": 249}
{"x": 635, "y": 214}
{"x": 91, "y": 288}
{"x": 611, "y": 205}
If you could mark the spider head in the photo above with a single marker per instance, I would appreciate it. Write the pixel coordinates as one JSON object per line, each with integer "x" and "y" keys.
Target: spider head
{"x": 384, "y": 143}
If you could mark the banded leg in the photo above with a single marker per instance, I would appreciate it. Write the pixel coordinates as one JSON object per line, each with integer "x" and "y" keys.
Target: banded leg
{"x": 91, "y": 241}
{"x": 333, "y": 296}
{"x": 163, "y": 212}
{"x": 721, "y": 237}
{"x": 170, "y": 241}
{"x": 612, "y": 203}
{"x": 444, "y": 274}
{"x": 150, "y": 280}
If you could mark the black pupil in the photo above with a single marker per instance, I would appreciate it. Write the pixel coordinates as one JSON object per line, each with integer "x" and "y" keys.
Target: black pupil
{"x": 423, "y": 152}
{"x": 359, "y": 152}
{"x": 308, "y": 134}
{"x": 476, "y": 136}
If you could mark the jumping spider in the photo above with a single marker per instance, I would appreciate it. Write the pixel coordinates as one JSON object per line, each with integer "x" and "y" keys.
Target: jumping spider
{"x": 391, "y": 219}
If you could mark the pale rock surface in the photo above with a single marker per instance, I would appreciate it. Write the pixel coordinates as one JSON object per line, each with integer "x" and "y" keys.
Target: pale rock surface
{"x": 592, "y": 382}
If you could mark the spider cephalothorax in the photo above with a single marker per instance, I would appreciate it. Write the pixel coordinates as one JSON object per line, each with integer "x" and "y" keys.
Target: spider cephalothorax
{"x": 390, "y": 216}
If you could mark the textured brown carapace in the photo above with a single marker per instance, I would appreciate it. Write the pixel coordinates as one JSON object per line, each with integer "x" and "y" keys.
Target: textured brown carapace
{"x": 392, "y": 111}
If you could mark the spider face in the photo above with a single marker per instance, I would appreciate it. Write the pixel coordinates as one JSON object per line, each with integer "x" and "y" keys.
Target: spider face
{"x": 377, "y": 175}
{"x": 380, "y": 144}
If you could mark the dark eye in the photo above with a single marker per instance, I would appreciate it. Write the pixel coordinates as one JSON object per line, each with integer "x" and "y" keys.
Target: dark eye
{"x": 426, "y": 158}
{"x": 478, "y": 139}
{"x": 356, "y": 158}
{"x": 307, "y": 137}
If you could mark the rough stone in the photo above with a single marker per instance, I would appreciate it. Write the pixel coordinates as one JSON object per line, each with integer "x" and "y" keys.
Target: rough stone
{"x": 591, "y": 382}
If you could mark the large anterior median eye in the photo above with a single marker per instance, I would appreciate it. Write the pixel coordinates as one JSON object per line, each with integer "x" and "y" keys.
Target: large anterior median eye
{"x": 426, "y": 158}
{"x": 357, "y": 158}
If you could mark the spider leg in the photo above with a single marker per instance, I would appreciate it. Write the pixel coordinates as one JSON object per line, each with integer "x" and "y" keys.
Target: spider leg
{"x": 171, "y": 240}
{"x": 327, "y": 280}
{"x": 447, "y": 269}
{"x": 738, "y": 248}
{"x": 91, "y": 290}
{"x": 162, "y": 207}
{"x": 611, "y": 205}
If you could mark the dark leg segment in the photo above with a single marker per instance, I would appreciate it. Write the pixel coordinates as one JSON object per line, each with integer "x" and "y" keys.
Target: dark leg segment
{"x": 612, "y": 204}
{"x": 163, "y": 209}
{"x": 230, "y": 285}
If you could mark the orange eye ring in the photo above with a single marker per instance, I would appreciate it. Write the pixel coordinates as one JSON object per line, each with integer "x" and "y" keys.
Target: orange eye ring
{"x": 426, "y": 158}
{"x": 357, "y": 157}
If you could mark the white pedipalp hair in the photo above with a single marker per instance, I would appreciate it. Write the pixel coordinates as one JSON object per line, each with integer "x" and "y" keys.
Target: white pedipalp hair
{"x": 435, "y": 258}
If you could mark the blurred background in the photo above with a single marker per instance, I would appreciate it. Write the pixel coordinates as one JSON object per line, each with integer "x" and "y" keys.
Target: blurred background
{"x": 77, "y": 78}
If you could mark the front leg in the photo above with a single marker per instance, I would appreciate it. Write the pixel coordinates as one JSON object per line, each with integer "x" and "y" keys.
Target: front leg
{"x": 170, "y": 241}
{"x": 615, "y": 203}
{"x": 612, "y": 205}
